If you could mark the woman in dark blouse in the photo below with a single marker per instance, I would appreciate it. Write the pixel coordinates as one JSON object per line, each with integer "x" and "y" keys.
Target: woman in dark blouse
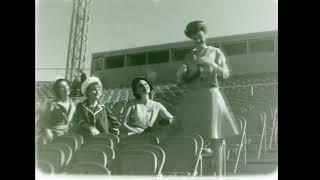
{"x": 92, "y": 117}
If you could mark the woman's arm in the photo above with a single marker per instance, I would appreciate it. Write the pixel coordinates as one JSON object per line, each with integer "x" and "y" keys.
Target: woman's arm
{"x": 220, "y": 65}
{"x": 165, "y": 115}
{"x": 127, "y": 113}
{"x": 182, "y": 70}
{"x": 114, "y": 122}
{"x": 42, "y": 122}
{"x": 181, "y": 73}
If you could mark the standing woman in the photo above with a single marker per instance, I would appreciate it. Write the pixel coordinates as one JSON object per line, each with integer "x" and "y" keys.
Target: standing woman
{"x": 204, "y": 110}
{"x": 56, "y": 117}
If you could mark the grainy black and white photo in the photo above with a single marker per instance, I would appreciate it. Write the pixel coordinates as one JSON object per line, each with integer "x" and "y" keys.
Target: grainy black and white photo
{"x": 156, "y": 88}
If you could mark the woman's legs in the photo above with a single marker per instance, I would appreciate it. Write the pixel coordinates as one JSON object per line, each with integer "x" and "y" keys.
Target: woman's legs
{"x": 219, "y": 156}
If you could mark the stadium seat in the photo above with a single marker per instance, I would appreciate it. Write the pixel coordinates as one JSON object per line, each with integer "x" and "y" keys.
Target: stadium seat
{"x": 237, "y": 144}
{"x": 256, "y": 129}
{"x": 200, "y": 146}
{"x": 118, "y": 107}
{"x": 141, "y": 138}
{"x": 157, "y": 150}
{"x": 45, "y": 167}
{"x": 108, "y": 151}
{"x": 181, "y": 155}
{"x": 88, "y": 168}
{"x": 79, "y": 138}
{"x": 66, "y": 149}
{"x": 107, "y": 141}
{"x": 53, "y": 155}
{"x": 115, "y": 139}
{"x": 71, "y": 141}
{"x": 274, "y": 129}
{"x": 90, "y": 155}
{"x": 136, "y": 162}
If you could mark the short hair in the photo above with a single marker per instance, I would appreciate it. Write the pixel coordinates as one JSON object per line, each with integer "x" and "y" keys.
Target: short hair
{"x": 134, "y": 86}
{"x": 194, "y": 27}
{"x": 55, "y": 86}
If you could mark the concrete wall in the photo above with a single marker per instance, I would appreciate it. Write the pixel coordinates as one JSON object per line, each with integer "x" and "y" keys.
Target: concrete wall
{"x": 239, "y": 64}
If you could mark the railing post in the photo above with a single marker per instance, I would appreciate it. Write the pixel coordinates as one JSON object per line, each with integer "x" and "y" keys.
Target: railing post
{"x": 251, "y": 90}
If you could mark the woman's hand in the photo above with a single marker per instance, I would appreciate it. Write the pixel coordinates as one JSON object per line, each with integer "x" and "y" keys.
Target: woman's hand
{"x": 209, "y": 67}
{"x": 148, "y": 130}
{"x": 164, "y": 122}
{"x": 49, "y": 135}
{"x": 182, "y": 70}
{"x": 94, "y": 131}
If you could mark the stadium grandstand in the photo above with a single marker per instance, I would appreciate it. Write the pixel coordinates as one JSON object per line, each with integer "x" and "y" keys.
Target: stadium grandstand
{"x": 251, "y": 91}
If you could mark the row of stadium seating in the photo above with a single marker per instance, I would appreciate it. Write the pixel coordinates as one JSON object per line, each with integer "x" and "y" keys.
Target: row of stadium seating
{"x": 135, "y": 155}
{"x": 106, "y": 154}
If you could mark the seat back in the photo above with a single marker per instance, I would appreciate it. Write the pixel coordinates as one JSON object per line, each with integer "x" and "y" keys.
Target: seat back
{"x": 157, "y": 150}
{"x": 109, "y": 152}
{"x": 71, "y": 141}
{"x": 115, "y": 139}
{"x": 140, "y": 138}
{"x": 118, "y": 108}
{"x": 79, "y": 138}
{"x": 254, "y": 121}
{"x": 235, "y": 143}
{"x": 200, "y": 146}
{"x": 99, "y": 140}
{"x": 200, "y": 142}
{"x": 236, "y": 139}
{"x": 53, "y": 155}
{"x": 136, "y": 162}
{"x": 89, "y": 155}
{"x": 181, "y": 155}
{"x": 45, "y": 167}
{"x": 89, "y": 168}
{"x": 66, "y": 149}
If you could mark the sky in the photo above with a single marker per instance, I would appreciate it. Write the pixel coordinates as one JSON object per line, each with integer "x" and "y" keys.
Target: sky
{"x": 121, "y": 24}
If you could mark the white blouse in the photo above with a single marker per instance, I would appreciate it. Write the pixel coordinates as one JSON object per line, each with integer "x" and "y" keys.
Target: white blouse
{"x": 140, "y": 116}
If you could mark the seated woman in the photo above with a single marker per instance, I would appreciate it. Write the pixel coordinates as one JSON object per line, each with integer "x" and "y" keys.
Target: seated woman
{"x": 142, "y": 113}
{"x": 55, "y": 118}
{"x": 91, "y": 117}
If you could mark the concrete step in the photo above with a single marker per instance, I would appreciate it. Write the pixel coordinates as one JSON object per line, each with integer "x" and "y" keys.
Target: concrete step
{"x": 252, "y": 169}
{"x": 268, "y": 157}
{"x": 252, "y": 139}
{"x": 255, "y": 147}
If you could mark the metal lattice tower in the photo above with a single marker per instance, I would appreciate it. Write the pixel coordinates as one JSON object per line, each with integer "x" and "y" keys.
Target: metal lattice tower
{"x": 78, "y": 37}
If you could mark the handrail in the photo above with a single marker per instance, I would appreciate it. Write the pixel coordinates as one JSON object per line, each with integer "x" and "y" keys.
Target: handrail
{"x": 222, "y": 87}
{"x": 249, "y": 85}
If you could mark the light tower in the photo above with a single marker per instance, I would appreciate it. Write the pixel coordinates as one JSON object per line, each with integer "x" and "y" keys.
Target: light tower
{"x": 78, "y": 37}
